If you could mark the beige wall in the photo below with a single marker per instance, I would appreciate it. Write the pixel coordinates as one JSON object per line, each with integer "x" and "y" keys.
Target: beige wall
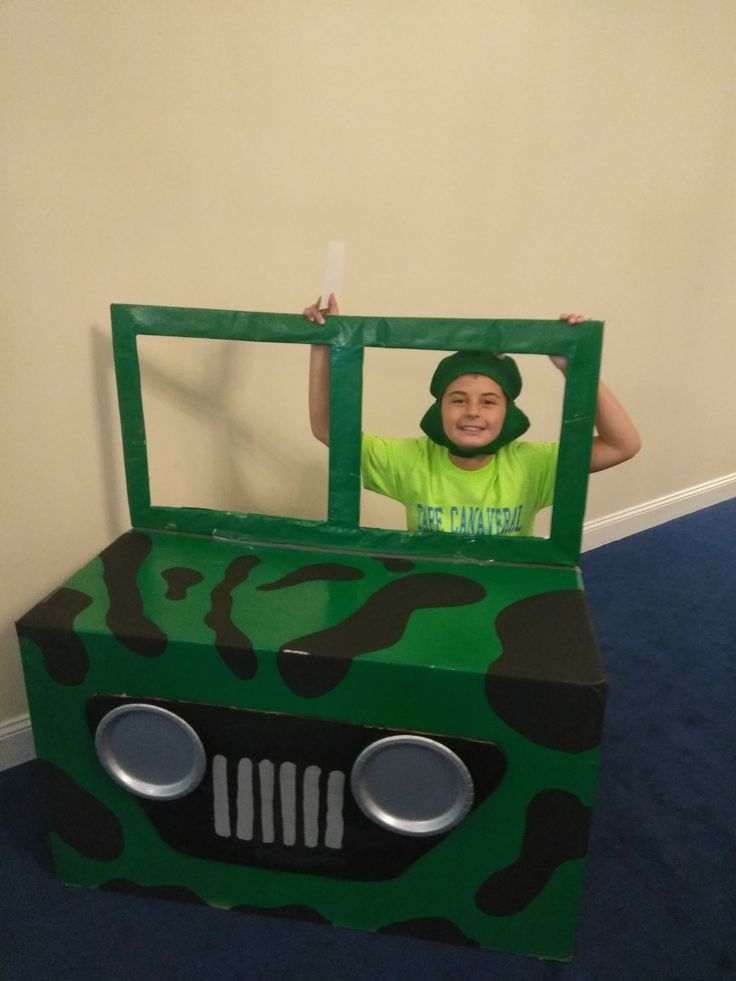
{"x": 485, "y": 158}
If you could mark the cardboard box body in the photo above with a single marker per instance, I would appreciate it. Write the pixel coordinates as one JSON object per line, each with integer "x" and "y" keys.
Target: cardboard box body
{"x": 288, "y": 664}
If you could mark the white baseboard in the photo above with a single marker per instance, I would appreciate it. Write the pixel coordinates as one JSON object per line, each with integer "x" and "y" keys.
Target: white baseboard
{"x": 601, "y": 531}
{"x": 16, "y": 742}
{"x": 16, "y": 738}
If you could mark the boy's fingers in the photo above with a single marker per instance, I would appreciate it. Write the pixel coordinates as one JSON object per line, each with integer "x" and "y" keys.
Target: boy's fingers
{"x": 312, "y": 313}
{"x": 315, "y": 313}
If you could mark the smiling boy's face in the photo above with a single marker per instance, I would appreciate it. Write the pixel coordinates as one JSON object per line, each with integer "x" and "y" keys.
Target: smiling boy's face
{"x": 473, "y": 410}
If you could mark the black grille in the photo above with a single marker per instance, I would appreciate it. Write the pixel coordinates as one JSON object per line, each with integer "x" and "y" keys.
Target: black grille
{"x": 276, "y": 792}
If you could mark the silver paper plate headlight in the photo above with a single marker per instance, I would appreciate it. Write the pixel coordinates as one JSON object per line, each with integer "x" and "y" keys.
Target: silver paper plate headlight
{"x": 150, "y": 751}
{"x": 412, "y": 785}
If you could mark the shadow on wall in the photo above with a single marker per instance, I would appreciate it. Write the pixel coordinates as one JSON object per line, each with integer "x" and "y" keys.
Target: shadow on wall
{"x": 108, "y": 429}
{"x": 214, "y": 439}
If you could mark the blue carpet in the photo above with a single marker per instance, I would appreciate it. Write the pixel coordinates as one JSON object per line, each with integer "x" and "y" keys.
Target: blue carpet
{"x": 660, "y": 891}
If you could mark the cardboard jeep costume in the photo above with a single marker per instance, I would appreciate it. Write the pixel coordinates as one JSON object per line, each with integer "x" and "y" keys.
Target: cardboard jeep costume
{"x": 385, "y": 730}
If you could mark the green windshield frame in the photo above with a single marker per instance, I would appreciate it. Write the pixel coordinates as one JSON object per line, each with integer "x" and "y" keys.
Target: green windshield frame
{"x": 348, "y": 337}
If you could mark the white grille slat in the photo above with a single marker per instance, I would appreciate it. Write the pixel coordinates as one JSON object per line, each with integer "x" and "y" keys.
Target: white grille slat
{"x": 310, "y": 800}
{"x": 287, "y": 790}
{"x": 244, "y": 826}
{"x": 266, "y": 775}
{"x": 335, "y": 795}
{"x": 220, "y": 797}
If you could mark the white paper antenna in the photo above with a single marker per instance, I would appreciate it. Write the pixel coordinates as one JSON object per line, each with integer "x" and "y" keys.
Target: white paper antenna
{"x": 334, "y": 271}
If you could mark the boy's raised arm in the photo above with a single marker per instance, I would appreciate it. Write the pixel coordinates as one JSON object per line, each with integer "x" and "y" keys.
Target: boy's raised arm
{"x": 319, "y": 374}
{"x": 616, "y": 438}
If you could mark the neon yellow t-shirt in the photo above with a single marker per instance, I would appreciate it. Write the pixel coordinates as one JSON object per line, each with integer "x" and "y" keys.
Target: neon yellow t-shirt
{"x": 502, "y": 498}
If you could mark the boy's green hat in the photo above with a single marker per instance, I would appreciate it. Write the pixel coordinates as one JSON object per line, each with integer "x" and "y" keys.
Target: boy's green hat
{"x": 503, "y": 370}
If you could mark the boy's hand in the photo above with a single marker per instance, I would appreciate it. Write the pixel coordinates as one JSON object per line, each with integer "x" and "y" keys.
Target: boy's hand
{"x": 570, "y": 318}
{"x": 573, "y": 318}
{"x": 317, "y": 314}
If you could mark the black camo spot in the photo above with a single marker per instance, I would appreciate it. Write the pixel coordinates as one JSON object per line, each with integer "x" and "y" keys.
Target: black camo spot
{"x": 179, "y": 894}
{"x": 180, "y": 580}
{"x": 50, "y": 625}
{"x": 556, "y": 831}
{"x": 79, "y": 819}
{"x": 293, "y": 912}
{"x": 431, "y": 928}
{"x": 233, "y": 646}
{"x": 397, "y": 565}
{"x": 549, "y": 683}
{"x": 317, "y": 663}
{"x": 121, "y": 563}
{"x": 319, "y": 571}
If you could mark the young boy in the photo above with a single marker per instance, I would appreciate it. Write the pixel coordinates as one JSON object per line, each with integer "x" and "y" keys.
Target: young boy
{"x": 470, "y": 473}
